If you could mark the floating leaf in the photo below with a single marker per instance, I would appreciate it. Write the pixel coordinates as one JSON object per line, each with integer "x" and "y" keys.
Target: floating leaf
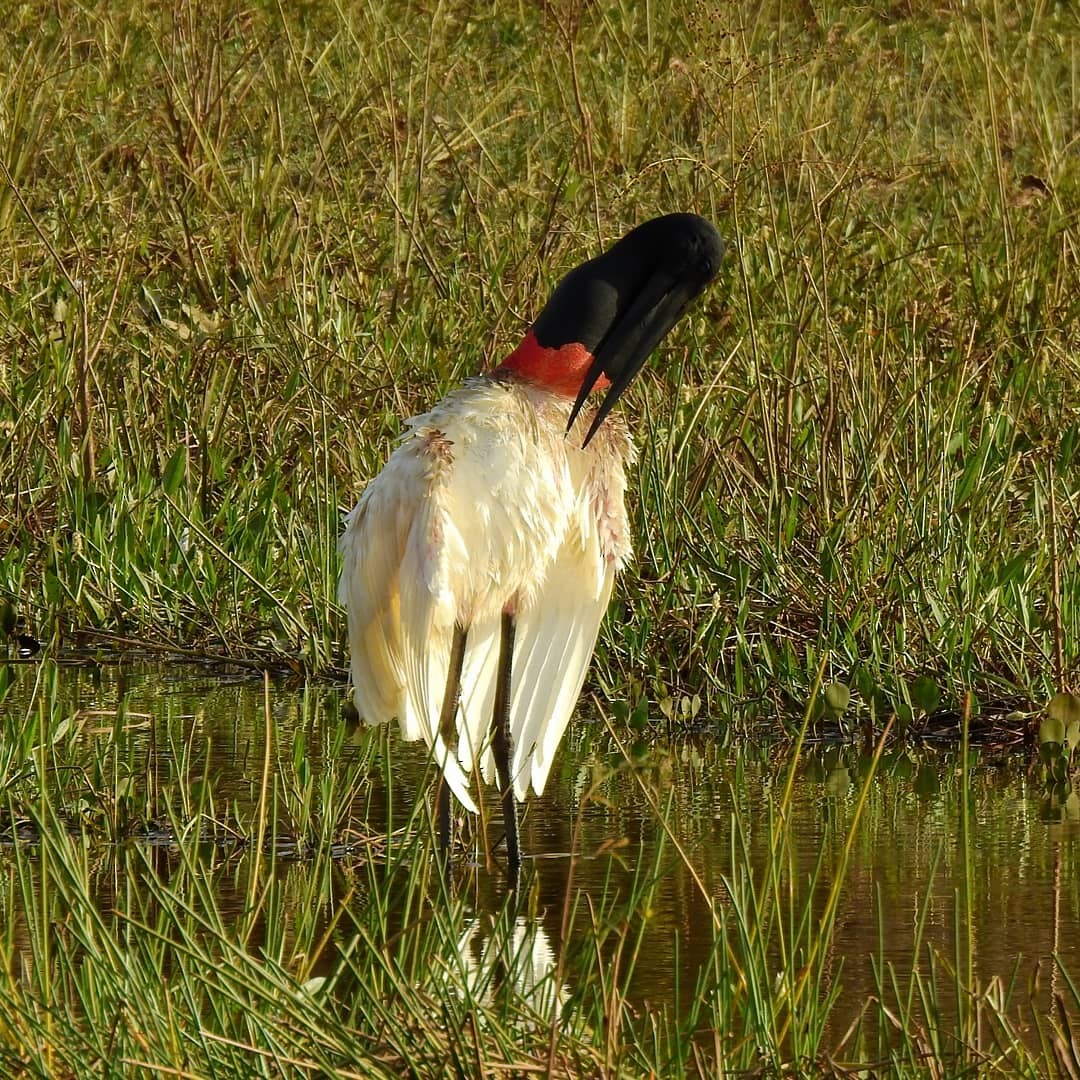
{"x": 924, "y": 694}
{"x": 639, "y": 718}
{"x": 838, "y": 782}
{"x": 1064, "y": 707}
{"x": 1052, "y": 730}
{"x": 837, "y": 696}
{"x": 1050, "y": 755}
{"x": 904, "y": 715}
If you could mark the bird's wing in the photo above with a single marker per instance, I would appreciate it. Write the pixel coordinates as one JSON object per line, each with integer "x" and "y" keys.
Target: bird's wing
{"x": 478, "y": 690}
{"x": 557, "y": 632}
{"x": 370, "y": 548}
{"x": 558, "y": 625}
{"x": 427, "y": 631}
{"x": 395, "y": 553}
{"x": 554, "y": 642}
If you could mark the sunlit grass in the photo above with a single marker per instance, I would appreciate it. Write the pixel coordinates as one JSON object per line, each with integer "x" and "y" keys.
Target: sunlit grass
{"x": 157, "y": 913}
{"x": 244, "y": 244}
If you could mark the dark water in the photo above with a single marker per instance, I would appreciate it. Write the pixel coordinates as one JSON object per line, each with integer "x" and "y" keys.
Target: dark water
{"x": 911, "y": 892}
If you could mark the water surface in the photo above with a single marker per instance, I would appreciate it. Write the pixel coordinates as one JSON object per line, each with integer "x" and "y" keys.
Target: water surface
{"x": 181, "y": 738}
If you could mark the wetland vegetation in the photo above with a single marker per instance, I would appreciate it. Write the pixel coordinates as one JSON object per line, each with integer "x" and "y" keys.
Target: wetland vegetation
{"x": 239, "y": 242}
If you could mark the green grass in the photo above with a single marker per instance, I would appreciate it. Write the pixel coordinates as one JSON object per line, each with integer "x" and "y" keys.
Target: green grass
{"x": 206, "y": 946}
{"x": 243, "y": 243}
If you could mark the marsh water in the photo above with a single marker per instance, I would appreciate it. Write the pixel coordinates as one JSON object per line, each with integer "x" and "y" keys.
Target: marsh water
{"x": 915, "y": 891}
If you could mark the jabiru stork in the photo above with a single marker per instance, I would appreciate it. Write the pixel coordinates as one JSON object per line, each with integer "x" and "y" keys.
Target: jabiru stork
{"x": 477, "y": 565}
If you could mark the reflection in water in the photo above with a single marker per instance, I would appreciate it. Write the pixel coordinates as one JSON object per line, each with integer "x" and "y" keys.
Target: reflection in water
{"x": 911, "y": 891}
{"x": 528, "y": 967}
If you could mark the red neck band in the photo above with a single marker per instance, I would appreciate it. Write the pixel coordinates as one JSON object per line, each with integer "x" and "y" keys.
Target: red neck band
{"x": 561, "y": 370}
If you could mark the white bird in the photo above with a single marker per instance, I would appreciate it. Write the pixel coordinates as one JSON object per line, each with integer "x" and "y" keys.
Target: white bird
{"x": 477, "y": 565}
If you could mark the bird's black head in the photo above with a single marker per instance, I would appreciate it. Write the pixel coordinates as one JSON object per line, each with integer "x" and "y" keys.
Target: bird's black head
{"x": 618, "y": 306}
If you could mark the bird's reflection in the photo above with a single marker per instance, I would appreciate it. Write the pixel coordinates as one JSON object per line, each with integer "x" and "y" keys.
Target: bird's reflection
{"x": 510, "y": 954}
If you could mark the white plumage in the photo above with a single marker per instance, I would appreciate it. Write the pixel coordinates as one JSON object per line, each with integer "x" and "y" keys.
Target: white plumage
{"x": 487, "y": 505}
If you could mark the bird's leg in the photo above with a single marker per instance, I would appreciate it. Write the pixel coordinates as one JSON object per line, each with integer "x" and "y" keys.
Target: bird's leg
{"x": 502, "y": 745}
{"x": 448, "y": 731}
{"x": 446, "y": 825}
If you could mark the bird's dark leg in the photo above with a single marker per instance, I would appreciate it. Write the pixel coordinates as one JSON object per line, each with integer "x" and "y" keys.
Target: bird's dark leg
{"x": 448, "y": 730}
{"x": 502, "y": 745}
{"x": 446, "y": 824}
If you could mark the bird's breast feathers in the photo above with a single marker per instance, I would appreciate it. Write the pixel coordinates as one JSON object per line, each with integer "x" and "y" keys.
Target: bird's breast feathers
{"x": 510, "y": 492}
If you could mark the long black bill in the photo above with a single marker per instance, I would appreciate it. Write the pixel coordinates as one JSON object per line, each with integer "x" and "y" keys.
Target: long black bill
{"x": 622, "y": 303}
{"x": 630, "y": 342}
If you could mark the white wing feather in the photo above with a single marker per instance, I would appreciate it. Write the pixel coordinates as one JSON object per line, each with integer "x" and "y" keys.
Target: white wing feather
{"x": 557, "y": 629}
{"x": 554, "y": 643}
{"x": 478, "y": 675}
{"x": 401, "y": 614}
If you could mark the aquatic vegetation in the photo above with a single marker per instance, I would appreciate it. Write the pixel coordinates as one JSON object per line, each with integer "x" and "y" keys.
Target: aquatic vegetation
{"x": 212, "y": 874}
